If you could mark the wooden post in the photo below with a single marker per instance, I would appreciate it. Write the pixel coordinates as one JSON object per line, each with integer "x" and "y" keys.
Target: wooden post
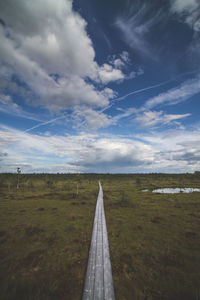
{"x": 18, "y": 172}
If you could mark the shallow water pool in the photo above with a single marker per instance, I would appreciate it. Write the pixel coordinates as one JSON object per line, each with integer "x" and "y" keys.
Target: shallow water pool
{"x": 175, "y": 190}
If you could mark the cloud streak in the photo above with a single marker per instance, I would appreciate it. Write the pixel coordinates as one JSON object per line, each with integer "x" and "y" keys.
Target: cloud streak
{"x": 136, "y": 24}
{"x": 174, "y": 151}
{"x": 163, "y": 83}
{"x": 155, "y": 118}
{"x": 173, "y": 96}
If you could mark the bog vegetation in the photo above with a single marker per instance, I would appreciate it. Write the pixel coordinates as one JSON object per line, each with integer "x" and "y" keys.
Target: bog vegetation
{"x": 46, "y": 225}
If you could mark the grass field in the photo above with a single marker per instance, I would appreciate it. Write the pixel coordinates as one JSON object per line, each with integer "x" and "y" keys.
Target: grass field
{"x": 45, "y": 231}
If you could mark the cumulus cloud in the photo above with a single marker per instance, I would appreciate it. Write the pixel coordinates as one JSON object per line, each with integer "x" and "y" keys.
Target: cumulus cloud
{"x": 188, "y": 11}
{"x": 121, "y": 61}
{"x": 50, "y": 34}
{"x": 118, "y": 64}
{"x": 116, "y": 154}
{"x": 107, "y": 73}
{"x": 46, "y": 45}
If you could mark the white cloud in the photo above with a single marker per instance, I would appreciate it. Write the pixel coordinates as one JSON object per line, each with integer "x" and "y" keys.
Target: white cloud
{"x": 169, "y": 151}
{"x": 126, "y": 113}
{"x": 188, "y": 10}
{"x": 175, "y": 95}
{"x": 115, "y": 67}
{"x": 152, "y": 118}
{"x": 90, "y": 119}
{"x": 50, "y": 34}
{"x": 177, "y": 150}
{"x": 121, "y": 61}
{"x": 107, "y": 73}
{"x": 7, "y": 101}
{"x": 87, "y": 152}
{"x": 109, "y": 93}
{"x": 184, "y": 5}
{"x": 47, "y": 46}
{"x": 73, "y": 91}
{"x": 116, "y": 155}
{"x": 118, "y": 63}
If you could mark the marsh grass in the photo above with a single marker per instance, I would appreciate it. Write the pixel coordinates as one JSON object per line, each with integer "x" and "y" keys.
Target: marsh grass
{"x": 45, "y": 231}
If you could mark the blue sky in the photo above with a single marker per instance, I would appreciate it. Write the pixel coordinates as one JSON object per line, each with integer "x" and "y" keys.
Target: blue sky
{"x": 100, "y": 86}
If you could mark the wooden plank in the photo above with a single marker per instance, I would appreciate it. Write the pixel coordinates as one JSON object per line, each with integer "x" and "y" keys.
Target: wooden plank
{"x": 98, "y": 280}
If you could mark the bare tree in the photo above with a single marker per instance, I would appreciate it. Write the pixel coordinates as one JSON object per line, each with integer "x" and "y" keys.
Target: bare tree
{"x": 18, "y": 172}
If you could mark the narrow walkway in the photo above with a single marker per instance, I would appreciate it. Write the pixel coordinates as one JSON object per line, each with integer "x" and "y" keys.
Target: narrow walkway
{"x": 98, "y": 280}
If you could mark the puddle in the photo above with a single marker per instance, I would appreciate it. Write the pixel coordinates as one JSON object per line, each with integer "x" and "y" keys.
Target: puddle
{"x": 175, "y": 190}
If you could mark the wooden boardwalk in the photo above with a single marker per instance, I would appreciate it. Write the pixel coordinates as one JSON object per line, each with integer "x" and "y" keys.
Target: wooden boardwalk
{"x": 98, "y": 281}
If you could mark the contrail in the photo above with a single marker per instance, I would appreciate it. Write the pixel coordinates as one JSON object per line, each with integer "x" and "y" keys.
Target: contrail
{"x": 147, "y": 88}
{"x": 45, "y": 123}
{"x": 142, "y": 90}
{"x": 135, "y": 92}
{"x": 120, "y": 98}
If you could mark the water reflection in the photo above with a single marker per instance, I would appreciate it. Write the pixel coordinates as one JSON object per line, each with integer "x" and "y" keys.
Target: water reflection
{"x": 175, "y": 190}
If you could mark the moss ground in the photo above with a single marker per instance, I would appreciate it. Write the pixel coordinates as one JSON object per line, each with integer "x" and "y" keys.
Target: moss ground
{"x": 45, "y": 231}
